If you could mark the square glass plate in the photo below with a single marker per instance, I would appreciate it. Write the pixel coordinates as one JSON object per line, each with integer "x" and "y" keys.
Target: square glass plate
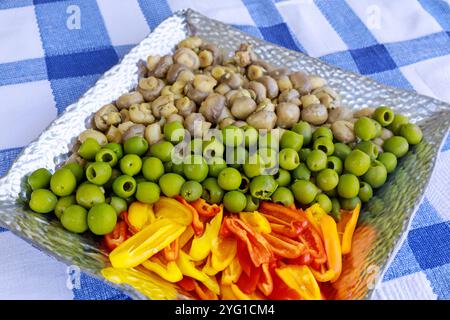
{"x": 384, "y": 219}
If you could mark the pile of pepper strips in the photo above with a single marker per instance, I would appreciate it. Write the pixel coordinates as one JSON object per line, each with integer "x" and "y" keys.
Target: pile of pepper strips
{"x": 275, "y": 253}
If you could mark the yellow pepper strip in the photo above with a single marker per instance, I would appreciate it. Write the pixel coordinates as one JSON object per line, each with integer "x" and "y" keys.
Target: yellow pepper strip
{"x": 323, "y": 276}
{"x": 348, "y": 225}
{"x": 208, "y": 268}
{"x": 232, "y": 273}
{"x": 257, "y": 221}
{"x": 300, "y": 279}
{"x": 314, "y": 213}
{"x": 169, "y": 272}
{"x": 149, "y": 284}
{"x": 227, "y": 293}
{"x": 187, "y": 267}
{"x": 243, "y": 296}
{"x": 186, "y": 236}
{"x": 140, "y": 214}
{"x": 201, "y": 245}
{"x": 332, "y": 245}
{"x": 146, "y": 243}
{"x": 223, "y": 252}
{"x": 172, "y": 209}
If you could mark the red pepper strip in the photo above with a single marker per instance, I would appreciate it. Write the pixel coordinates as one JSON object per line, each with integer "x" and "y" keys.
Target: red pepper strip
{"x": 187, "y": 283}
{"x": 265, "y": 284}
{"x": 203, "y": 292}
{"x": 303, "y": 260}
{"x": 276, "y": 220}
{"x": 282, "y": 212}
{"x": 292, "y": 207}
{"x": 205, "y": 209}
{"x": 284, "y": 247}
{"x": 124, "y": 216}
{"x": 312, "y": 240}
{"x": 257, "y": 245}
{"x": 285, "y": 230}
{"x": 281, "y": 291}
{"x": 117, "y": 236}
{"x": 197, "y": 224}
{"x": 171, "y": 252}
{"x": 244, "y": 258}
{"x": 248, "y": 282}
{"x": 224, "y": 232}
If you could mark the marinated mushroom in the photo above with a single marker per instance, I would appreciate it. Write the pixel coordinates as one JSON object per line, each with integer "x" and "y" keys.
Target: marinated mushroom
{"x": 339, "y": 113}
{"x": 277, "y": 73}
{"x": 290, "y": 95}
{"x": 262, "y": 119}
{"x": 187, "y": 57}
{"x": 308, "y": 100}
{"x": 317, "y": 82}
{"x": 212, "y": 107}
{"x": 343, "y": 131}
{"x": 124, "y": 126}
{"x": 141, "y": 113}
{"x": 175, "y": 117}
{"x": 255, "y": 72}
{"x": 163, "y": 106}
{"x": 245, "y": 55}
{"x": 242, "y": 107}
{"x": 124, "y": 115}
{"x": 174, "y": 71}
{"x": 259, "y": 89}
{"x": 284, "y": 83}
{"x": 288, "y": 114}
{"x": 212, "y": 51}
{"x": 226, "y": 122}
{"x": 185, "y": 106}
{"x": 328, "y": 97}
{"x": 107, "y": 115}
{"x": 267, "y": 105}
{"x": 222, "y": 89}
{"x": 232, "y": 79}
{"x": 94, "y": 134}
{"x": 129, "y": 98}
{"x": 192, "y": 42}
{"x": 386, "y": 134}
{"x": 364, "y": 112}
{"x": 301, "y": 82}
{"x": 136, "y": 130}
{"x": 161, "y": 67}
{"x": 196, "y": 125}
{"x": 226, "y": 113}
{"x": 153, "y": 133}
{"x": 150, "y": 88}
{"x": 271, "y": 86}
{"x": 113, "y": 134}
{"x": 315, "y": 114}
{"x": 200, "y": 87}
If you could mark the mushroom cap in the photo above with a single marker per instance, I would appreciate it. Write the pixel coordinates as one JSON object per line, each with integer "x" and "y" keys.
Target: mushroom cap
{"x": 101, "y": 116}
{"x": 288, "y": 114}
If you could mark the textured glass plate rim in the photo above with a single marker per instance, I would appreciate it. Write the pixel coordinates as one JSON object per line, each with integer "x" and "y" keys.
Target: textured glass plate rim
{"x": 187, "y": 14}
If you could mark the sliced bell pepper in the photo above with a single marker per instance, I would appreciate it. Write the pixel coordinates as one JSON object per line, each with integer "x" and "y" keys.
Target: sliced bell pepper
{"x": 332, "y": 245}
{"x": 208, "y": 268}
{"x": 282, "y": 212}
{"x": 314, "y": 213}
{"x": 124, "y": 216}
{"x": 226, "y": 293}
{"x": 117, "y": 236}
{"x": 284, "y": 247}
{"x": 285, "y": 230}
{"x": 242, "y": 296}
{"x": 223, "y": 252}
{"x": 265, "y": 284}
{"x": 197, "y": 224}
{"x": 187, "y": 283}
{"x": 142, "y": 280}
{"x": 140, "y": 214}
{"x": 203, "y": 292}
{"x": 247, "y": 283}
{"x": 232, "y": 273}
{"x": 256, "y": 220}
{"x": 205, "y": 209}
{"x": 171, "y": 251}
{"x": 257, "y": 246}
{"x": 312, "y": 241}
{"x": 300, "y": 279}
{"x": 171, "y": 209}
{"x": 201, "y": 245}
{"x": 188, "y": 268}
{"x": 186, "y": 236}
{"x": 304, "y": 259}
{"x": 281, "y": 291}
{"x": 346, "y": 227}
{"x": 146, "y": 243}
{"x": 169, "y": 271}
{"x": 244, "y": 258}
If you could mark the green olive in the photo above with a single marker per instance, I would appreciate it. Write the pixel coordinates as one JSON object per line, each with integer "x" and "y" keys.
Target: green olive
{"x": 120, "y": 205}
{"x": 357, "y": 162}
{"x": 412, "y": 133}
{"x": 262, "y": 187}
{"x": 171, "y": 183}
{"x": 399, "y": 120}
{"x": 131, "y": 164}
{"x": 174, "y": 132}
{"x": 117, "y": 148}
{"x": 335, "y": 209}
{"x": 369, "y": 148}
{"x": 303, "y": 128}
{"x": 316, "y": 160}
{"x": 89, "y": 148}
{"x": 301, "y": 172}
{"x": 324, "y": 201}
{"x": 250, "y": 136}
{"x": 234, "y": 201}
{"x": 163, "y": 150}
{"x": 147, "y": 192}
{"x": 106, "y": 155}
{"x": 212, "y": 192}
{"x": 39, "y": 179}
{"x": 303, "y": 154}
{"x": 89, "y": 194}
{"x": 325, "y": 144}
{"x": 383, "y": 115}
{"x": 63, "y": 182}
{"x": 74, "y": 219}
{"x": 365, "y": 192}
{"x": 283, "y": 196}
{"x": 292, "y": 140}
{"x": 327, "y": 179}
{"x": 98, "y": 173}
{"x": 376, "y": 175}
{"x": 396, "y": 145}
{"x": 252, "y": 203}
{"x": 322, "y": 132}
{"x": 365, "y": 128}
{"x": 124, "y": 186}
{"x": 304, "y": 191}
{"x": 135, "y": 145}
{"x": 341, "y": 150}
{"x": 152, "y": 169}
{"x": 76, "y": 169}
{"x": 288, "y": 159}
{"x": 335, "y": 163}
{"x": 101, "y": 219}
{"x": 350, "y": 203}
{"x": 42, "y": 201}
{"x": 215, "y": 165}
{"x": 389, "y": 160}
{"x": 195, "y": 168}
{"x": 348, "y": 186}
{"x": 283, "y": 177}
{"x": 232, "y": 136}
{"x": 63, "y": 203}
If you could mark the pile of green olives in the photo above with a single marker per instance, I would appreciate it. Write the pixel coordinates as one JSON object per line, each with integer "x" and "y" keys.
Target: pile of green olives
{"x": 237, "y": 168}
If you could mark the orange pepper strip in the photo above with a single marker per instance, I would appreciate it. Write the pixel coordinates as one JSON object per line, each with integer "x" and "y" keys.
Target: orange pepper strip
{"x": 242, "y": 296}
{"x": 226, "y": 293}
{"x": 171, "y": 251}
{"x": 284, "y": 247}
{"x": 348, "y": 225}
{"x": 273, "y": 219}
{"x": 205, "y": 209}
{"x": 257, "y": 245}
{"x": 203, "y": 292}
{"x": 265, "y": 283}
{"x": 282, "y": 212}
{"x": 197, "y": 224}
{"x": 332, "y": 245}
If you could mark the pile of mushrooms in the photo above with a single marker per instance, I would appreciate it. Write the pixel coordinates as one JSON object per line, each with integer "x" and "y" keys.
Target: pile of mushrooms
{"x": 197, "y": 83}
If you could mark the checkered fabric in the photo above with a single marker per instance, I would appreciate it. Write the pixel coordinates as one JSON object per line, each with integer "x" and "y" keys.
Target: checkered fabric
{"x": 52, "y": 51}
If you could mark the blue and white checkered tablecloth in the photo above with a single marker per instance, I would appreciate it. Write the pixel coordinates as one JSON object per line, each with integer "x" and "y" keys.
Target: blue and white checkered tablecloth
{"x": 52, "y": 51}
